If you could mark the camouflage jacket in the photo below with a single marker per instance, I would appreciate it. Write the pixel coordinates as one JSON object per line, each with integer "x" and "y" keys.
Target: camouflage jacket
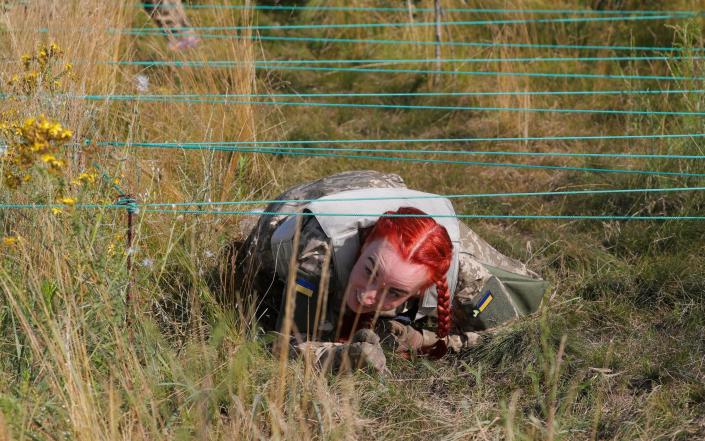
{"x": 491, "y": 288}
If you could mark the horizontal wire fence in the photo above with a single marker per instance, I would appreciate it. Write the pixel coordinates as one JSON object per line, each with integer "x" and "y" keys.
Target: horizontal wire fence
{"x": 288, "y": 147}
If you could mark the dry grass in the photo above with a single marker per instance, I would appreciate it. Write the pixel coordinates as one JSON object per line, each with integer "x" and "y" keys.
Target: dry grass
{"x": 615, "y": 354}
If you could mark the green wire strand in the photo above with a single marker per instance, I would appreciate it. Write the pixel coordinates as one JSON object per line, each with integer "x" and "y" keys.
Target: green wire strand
{"x": 426, "y": 43}
{"x": 455, "y": 72}
{"x": 422, "y": 160}
{"x": 224, "y": 98}
{"x": 394, "y": 106}
{"x": 269, "y": 213}
{"x": 284, "y": 201}
{"x": 416, "y": 9}
{"x": 399, "y": 106}
{"x": 426, "y": 140}
{"x": 471, "y": 108}
{"x": 459, "y": 216}
{"x": 164, "y": 98}
{"x": 201, "y": 98}
{"x": 455, "y": 43}
{"x": 230, "y": 63}
{"x": 255, "y": 149}
{"x": 404, "y": 24}
{"x": 482, "y": 73}
{"x": 449, "y": 196}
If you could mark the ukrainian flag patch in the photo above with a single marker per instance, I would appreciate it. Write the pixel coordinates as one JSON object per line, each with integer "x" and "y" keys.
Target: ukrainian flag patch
{"x": 483, "y": 304}
{"x": 305, "y": 287}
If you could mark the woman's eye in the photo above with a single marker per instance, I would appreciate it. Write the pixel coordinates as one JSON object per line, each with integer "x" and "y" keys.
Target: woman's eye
{"x": 368, "y": 271}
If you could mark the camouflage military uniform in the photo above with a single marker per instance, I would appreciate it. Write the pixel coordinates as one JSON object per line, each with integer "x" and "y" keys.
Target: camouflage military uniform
{"x": 475, "y": 306}
{"x": 170, "y": 16}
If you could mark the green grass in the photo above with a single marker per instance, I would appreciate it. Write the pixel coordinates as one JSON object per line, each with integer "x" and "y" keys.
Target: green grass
{"x": 615, "y": 353}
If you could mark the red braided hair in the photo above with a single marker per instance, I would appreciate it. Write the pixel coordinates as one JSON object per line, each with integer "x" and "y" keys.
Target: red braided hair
{"x": 421, "y": 240}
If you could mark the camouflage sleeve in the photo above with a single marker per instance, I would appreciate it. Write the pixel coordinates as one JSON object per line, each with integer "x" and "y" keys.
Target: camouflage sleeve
{"x": 170, "y": 16}
{"x": 402, "y": 338}
{"x": 313, "y": 249}
{"x": 313, "y": 280}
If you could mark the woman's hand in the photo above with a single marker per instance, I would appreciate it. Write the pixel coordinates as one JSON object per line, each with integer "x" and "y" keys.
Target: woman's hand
{"x": 404, "y": 339}
{"x": 363, "y": 352}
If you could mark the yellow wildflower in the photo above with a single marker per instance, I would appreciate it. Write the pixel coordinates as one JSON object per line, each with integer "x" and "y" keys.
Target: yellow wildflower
{"x": 68, "y": 67}
{"x": 48, "y": 158}
{"x": 36, "y": 140}
{"x": 40, "y": 146}
{"x": 9, "y": 241}
{"x": 54, "y": 49}
{"x": 68, "y": 201}
{"x": 57, "y": 165}
{"x": 56, "y": 210}
{"x": 85, "y": 178}
{"x": 31, "y": 79}
{"x": 43, "y": 58}
{"x": 26, "y": 59}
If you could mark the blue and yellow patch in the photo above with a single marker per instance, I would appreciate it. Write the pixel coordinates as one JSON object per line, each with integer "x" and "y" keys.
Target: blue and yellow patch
{"x": 305, "y": 287}
{"x": 482, "y": 304}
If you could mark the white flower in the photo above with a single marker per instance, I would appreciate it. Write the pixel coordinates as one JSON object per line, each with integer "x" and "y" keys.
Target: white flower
{"x": 142, "y": 83}
{"x": 147, "y": 263}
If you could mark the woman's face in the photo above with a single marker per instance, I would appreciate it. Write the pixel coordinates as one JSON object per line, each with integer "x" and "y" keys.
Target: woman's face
{"x": 382, "y": 279}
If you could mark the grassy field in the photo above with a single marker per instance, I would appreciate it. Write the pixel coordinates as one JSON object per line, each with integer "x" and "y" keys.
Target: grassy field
{"x": 615, "y": 353}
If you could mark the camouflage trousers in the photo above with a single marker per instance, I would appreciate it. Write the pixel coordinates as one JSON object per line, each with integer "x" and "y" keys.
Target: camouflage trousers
{"x": 170, "y": 16}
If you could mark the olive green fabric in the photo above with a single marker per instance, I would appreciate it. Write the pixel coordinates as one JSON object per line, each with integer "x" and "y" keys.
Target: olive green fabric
{"x": 504, "y": 297}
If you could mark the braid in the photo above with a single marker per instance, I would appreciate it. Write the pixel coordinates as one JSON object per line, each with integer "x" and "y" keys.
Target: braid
{"x": 443, "y": 308}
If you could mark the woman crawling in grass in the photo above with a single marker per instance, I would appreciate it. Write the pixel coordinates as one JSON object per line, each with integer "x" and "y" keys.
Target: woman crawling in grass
{"x": 387, "y": 277}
